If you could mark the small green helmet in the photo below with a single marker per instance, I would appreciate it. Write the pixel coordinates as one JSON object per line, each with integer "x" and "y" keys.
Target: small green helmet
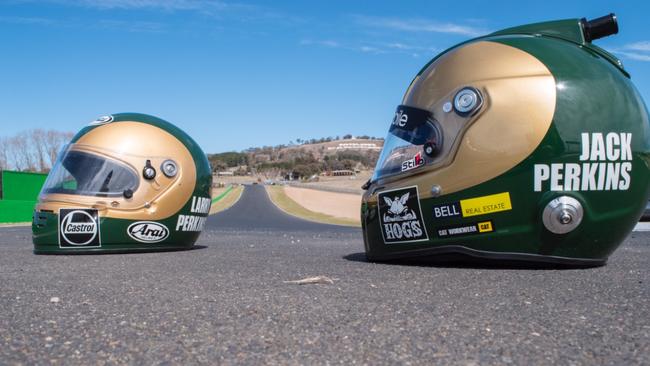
{"x": 126, "y": 182}
{"x": 529, "y": 144}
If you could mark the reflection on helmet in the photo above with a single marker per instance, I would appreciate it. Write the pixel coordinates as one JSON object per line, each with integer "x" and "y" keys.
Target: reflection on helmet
{"x": 82, "y": 173}
{"x": 513, "y": 147}
{"x": 104, "y": 194}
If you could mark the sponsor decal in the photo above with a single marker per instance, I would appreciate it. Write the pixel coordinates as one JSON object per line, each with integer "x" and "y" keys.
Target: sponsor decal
{"x": 413, "y": 163}
{"x": 79, "y": 228}
{"x": 201, "y": 206}
{"x": 401, "y": 118}
{"x": 148, "y": 231}
{"x": 606, "y": 165}
{"x": 446, "y": 210}
{"x": 101, "y": 120}
{"x": 400, "y": 216}
{"x": 486, "y": 204}
{"x": 466, "y": 229}
{"x": 409, "y": 118}
{"x": 474, "y": 206}
{"x": 190, "y": 223}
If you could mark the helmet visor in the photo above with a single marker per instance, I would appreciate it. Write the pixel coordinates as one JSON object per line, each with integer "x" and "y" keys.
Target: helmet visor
{"x": 86, "y": 174}
{"x": 413, "y": 141}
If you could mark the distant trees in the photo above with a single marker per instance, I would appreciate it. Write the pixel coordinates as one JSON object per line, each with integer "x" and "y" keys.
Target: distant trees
{"x": 231, "y": 159}
{"x": 297, "y": 158}
{"x": 33, "y": 151}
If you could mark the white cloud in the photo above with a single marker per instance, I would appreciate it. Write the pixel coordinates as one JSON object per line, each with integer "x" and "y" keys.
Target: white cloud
{"x": 420, "y": 25}
{"x": 131, "y": 26}
{"x": 638, "y": 51}
{"x": 377, "y": 48}
{"x": 326, "y": 43}
{"x": 140, "y": 4}
{"x": 635, "y": 56}
{"x": 643, "y": 46}
{"x": 26, "y": 20}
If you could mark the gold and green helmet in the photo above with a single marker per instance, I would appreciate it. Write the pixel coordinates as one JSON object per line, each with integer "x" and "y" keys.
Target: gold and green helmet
{"x": 528, "y": 144}
{"x": 126, "y": 182}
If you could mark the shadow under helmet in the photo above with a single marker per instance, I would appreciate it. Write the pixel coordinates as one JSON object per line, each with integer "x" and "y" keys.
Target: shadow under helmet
{"x": 528, "y": 144}
{"x": 126, "y": 182}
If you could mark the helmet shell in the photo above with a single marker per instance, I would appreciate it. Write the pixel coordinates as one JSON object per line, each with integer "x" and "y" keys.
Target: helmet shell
{"x": 560, "y": 118}
{"x": 101, "y": 196}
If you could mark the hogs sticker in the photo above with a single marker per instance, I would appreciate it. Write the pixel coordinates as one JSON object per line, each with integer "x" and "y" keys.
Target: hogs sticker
{"x": 606, "y": 165}
{"x": 79, "y": 228}
{"x": 400, "y": 216}
{"x": 148, "y": 231}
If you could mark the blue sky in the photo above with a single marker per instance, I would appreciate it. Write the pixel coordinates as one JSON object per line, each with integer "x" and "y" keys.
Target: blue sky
{"x": 252, "y": 73}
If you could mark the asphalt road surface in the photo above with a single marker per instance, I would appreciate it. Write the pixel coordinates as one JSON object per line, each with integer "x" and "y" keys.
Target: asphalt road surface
{"x": 227, "y": 303}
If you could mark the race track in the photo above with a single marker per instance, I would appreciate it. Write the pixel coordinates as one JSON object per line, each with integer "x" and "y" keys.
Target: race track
{"x": 255, "y": 211}
{"x": 226, "y": 302}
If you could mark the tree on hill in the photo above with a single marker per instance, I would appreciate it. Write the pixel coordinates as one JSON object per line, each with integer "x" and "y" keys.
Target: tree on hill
{"x": 225, "y": 160}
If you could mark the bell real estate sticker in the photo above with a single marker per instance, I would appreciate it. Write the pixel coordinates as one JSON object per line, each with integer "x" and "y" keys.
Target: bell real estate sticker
{"x": 486, "y": 204}
{"x": 79, "y": 228}
{"x": 400, "y": 216}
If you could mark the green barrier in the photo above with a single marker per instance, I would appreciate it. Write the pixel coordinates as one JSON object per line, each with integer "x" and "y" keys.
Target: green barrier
{"x": 18, "y": 195}
{"x": 21, "y": 186}
{"x": 219, "y": 197}
{"x": 16, "y": 211}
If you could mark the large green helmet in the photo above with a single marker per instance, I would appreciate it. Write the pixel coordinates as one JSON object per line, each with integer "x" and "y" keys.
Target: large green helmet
{"x": 528, "y": 144}
{"x": 126, "y": 182}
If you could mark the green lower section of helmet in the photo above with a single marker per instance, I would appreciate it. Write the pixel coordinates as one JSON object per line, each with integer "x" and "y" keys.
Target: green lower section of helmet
{"x": 113, "y": 236}
{"x": 515, "y": 234}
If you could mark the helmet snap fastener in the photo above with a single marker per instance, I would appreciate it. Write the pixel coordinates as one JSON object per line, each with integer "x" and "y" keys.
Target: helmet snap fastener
{"x": 149, "y": 172}
{"x": 467, "y": 101}
{"x": 562, "y": 215}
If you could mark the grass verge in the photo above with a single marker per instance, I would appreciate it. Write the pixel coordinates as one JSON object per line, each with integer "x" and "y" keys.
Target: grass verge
{"x": 227, "y": 200}
{"x": 286, "y": 204}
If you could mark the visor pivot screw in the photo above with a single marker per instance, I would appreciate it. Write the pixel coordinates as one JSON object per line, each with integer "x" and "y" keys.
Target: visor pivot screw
{"x": 128, "y": 193}
{"x": 430, "y": 149}
{"x": 467, "y": 101}
{"x": 565, "y": 217}
{"x": 149, "y": 172}
{"x": 562, "y": 215}
{"x": 446, "y": 107}
{"x": 436, "y": 190}
{"x": 169, "y": 168}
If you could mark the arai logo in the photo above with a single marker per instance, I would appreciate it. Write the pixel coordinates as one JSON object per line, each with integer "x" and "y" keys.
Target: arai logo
{"x": 148, "y": 231}
{"x": 78, "y": 228}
